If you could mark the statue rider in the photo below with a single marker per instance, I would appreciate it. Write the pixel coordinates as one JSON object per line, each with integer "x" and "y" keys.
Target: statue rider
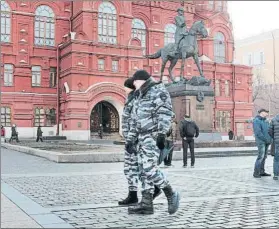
{"x": 181, "y": 29}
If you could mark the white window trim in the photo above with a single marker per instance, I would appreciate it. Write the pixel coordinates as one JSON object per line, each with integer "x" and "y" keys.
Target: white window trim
{"x": 6, "y": 16}
{"x": 107, "y": 34}
{"x": 36, "y": 78}
{"x": 101, "y": 64}
{"x": 8, "y": 75}
{"x": 167, "y": 38}
{"x": 41, "y": 20}
{"x": 117, "y": 66}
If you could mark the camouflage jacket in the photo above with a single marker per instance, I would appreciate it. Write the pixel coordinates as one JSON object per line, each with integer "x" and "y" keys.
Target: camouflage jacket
{"x": 152, "y": 110}
{"x": 126, "y": 116}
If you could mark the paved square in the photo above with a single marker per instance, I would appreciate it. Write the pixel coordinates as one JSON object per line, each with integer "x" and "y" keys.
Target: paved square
{"x": 86, "y": 195}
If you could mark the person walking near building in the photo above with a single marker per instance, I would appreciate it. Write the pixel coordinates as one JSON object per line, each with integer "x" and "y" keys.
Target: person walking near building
{"x": 151, "y": 120}
{"x": 100, "y": 132}
{"x": 14, "y": 134}
{"x": 39, "y": 134}
{"x": 263, "y": 140}
{"x": 3, "y": 133}
{"x": 231, "y": 134}
{"x": 188, "y": 130}
{"x": 274, "y": 133}
{"x": 131, "y": 167}
{"x": 171, "y": 138}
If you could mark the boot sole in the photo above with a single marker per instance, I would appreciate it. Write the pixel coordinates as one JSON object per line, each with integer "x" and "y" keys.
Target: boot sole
{"x": 129, "y": 204}
{"x": 177, "y": 201}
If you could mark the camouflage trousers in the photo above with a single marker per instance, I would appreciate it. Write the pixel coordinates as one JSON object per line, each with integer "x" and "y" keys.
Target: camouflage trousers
{"x": 131, "y": 170}
{"x": 149, "y": 172}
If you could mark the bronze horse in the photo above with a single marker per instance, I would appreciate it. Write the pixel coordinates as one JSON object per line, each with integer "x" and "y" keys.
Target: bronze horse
{"x": 188, "y": 47}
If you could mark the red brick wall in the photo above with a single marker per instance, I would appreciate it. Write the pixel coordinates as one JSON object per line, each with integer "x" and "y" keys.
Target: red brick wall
{"x": 78, "y": 57}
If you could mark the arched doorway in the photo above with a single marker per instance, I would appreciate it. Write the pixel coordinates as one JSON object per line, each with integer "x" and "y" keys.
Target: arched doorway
{"x": 104, "y": 114}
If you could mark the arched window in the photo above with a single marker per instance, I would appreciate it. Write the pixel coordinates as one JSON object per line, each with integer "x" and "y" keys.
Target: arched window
{"x": 107, "y": 28}
{"x": 139, "y": 31}
{"x": 44, "y": 26}
{"x": 210, "y": 5}
{"x": 217, "y": 88}
{"x": 225, "y": 6}
{"x": 219, "y": 5}
{"x": 5, "y": 22}
{"x": 227, "y": 88}
{"x": 169, "y": 33}
{"x": 219, "y": 48}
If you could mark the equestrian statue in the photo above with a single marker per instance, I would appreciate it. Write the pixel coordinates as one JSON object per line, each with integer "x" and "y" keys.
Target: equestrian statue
{"x": 185, "y": 46}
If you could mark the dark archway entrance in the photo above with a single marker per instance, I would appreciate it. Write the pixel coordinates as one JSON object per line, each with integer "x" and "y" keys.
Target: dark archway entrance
{"x": 104, "y": 113}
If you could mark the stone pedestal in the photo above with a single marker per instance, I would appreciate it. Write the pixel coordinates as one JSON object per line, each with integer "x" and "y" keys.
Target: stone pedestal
{"x": 196, "y": 101}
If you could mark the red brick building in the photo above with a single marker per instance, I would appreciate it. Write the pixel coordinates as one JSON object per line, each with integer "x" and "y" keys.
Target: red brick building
{"x": 65, "y": 62}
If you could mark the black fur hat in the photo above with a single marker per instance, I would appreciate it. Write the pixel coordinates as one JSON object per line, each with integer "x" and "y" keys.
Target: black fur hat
{"x": 138, "y": 75}
{"x": 129, "y": 84}
{"x": 141, "y": 75}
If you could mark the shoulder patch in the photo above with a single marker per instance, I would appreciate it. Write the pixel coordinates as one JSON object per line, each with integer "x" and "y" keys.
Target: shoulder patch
{"x": 163, "y": 97}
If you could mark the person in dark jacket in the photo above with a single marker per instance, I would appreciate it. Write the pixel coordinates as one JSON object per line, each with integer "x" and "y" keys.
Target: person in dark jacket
{"x": 39, "y": 134}
{"x": 188, "y": 130}
{"x": 14, "y": 134}
{"x": 231, "y": 135}
{"x": 3, "y": 133}
{"x": 100, "y": 132}
{"x": 274, "y": 133}
{"x": 263, "y": 140}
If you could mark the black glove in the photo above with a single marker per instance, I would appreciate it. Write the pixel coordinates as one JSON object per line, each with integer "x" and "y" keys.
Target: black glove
{"x": 130, "y": 147}
{"x": 169, "y": 133}
{"x": 161, "y": 141}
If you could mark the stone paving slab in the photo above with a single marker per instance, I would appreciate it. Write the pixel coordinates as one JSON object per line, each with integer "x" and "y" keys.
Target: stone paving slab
{"x": 52, "y": 191}
{"x": 217, "y": 193}
{"x": 225, "y": 212}
{"x": 13, "y": 217}
{"x": 243, "y": 176}
{"x": 42, "y": 217}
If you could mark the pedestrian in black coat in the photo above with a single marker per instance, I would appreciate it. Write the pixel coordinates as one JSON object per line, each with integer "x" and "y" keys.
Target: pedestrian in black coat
{"x": 39, "y": 134}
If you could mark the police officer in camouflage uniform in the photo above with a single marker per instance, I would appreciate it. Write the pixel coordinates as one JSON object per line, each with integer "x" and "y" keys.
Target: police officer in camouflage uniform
{"x": 131, "y": 159}
{"x": 150, "y": 122}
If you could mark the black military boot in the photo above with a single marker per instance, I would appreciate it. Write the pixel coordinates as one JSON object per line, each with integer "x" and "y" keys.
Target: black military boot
{"x": 157, "y": 192}
{"x": 173, "y": 199}
{"x": 131, "y": 199}
{"x": 145, "y": 207}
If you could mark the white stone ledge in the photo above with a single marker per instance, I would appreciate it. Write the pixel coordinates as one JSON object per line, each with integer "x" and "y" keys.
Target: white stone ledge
{"x": 110, "y": 157}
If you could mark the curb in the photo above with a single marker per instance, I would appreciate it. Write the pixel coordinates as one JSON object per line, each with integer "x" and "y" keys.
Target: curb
{"x": 109, "y": 157}
{"x": 50, "y": 155}
{"x": 97, "y": 157}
